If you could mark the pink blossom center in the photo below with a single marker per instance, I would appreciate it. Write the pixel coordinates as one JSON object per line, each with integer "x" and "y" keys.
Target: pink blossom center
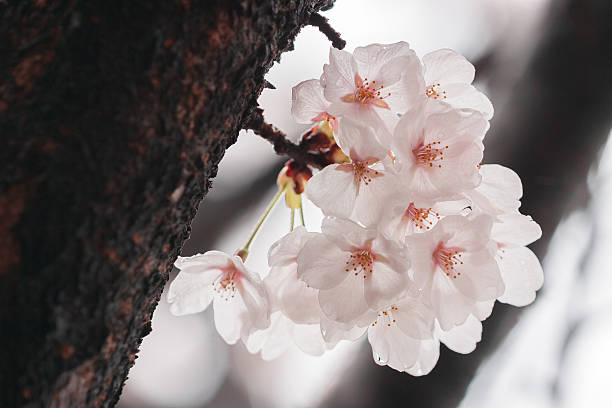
{"x": 367, "y": 92}
{"x": 430, "y": 154}
{"x": 448, "y": 258}
{"x": 434, "y": 93}
{"x": 385, "y": 317}
{"x": 363, "y": 173}
{"x": 225, "y": 284}
{"x": 361, "y": 261}
{"x": 422, "y": 218}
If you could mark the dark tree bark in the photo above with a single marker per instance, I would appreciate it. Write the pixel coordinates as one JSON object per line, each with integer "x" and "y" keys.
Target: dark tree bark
{"x": 113, "y": 118}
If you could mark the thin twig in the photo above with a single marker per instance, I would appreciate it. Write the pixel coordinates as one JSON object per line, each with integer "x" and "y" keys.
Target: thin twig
{"x": 282, "y": 145}
{"x": 317, "y": 20}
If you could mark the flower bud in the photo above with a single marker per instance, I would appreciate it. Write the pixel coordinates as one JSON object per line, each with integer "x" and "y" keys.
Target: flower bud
{"x": 293, "y": 177}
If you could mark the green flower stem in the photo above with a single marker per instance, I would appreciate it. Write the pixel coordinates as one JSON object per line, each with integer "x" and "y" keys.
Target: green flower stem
{"x": 302, "y": 214}
{"x": 245, "y": 249}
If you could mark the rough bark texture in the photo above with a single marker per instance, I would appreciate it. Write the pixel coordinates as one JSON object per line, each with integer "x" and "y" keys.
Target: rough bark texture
{"x": 113, "y": 119}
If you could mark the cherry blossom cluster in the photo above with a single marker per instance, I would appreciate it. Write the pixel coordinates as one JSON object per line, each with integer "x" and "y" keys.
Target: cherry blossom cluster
{"x": 418, "y": 240}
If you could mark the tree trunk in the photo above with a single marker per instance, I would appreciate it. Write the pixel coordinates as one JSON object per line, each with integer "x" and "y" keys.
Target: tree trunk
{"x": 114, "y": 117}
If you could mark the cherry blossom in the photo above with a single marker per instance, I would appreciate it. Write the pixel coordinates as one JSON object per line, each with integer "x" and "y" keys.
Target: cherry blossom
{"x": 405, "y": 215}
{"x": 294, "y": 305}
{"x": 454, "y": 267}
{"x": 448, "y": 78}
{"x": 372, "y": 85}
{"x": 358, "y": 189}
{"x": 240, "y": 301}
{"x": 356, "y": 269}
{"x": 440, "y": 152}
{"x": 397, "y": 333}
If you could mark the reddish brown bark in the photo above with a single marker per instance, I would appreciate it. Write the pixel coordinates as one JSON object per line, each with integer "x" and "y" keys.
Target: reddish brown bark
{"x": 114, "y": 117}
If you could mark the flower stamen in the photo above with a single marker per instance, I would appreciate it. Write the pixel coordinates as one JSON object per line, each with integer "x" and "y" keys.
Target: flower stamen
{"x": 430, "y": 154}
{"x": 447, "y": 258}
{"x": 367, "y": 92}
{"x": 386, "y": 317}
{"x": 432, "y": 92}
{"x": 422, "y": 218}
{"x": 363, "y": 173}
{"x": 225, "y": 284}
{"x": 361, "y": 261}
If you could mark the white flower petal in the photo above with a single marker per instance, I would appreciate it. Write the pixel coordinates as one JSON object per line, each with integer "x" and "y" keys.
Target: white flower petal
{"x": 273, "y": 341}
{"x": 372, "y": 58}
{"x": 255, "y": 299}
{"x": 338, "y": 77}
{"x": 522, "y": 275}
{"x": 408, "y": 132}
{"x": 321, "y": 264}
{"x": 403, "y": 94}
{"x": 480, "y": 278}
{"x": 333, "y": 190}
{"x": 308, "y": 338}
{"x": 384, "y": 285}
{"x": 346, "y": 234}
{"x": 382, "y": 120}
{"x": 414, "y": 318}
{"x": 483, "y": 310}
{"x": 499, "y": 192}
{"x": 333, "y": 331}
{"x": 203, "y": 262}
{"x": 371, "y": 198}
{"x": 392, "y": 347}
{"x": 515, "y": 230}
{"x": 446, "y": 66}
{"x": 462, "y": 95}
{"x": 380, "y": 342}
{"x": 308, "y": 101}
{"x": 230, "y": 318}
{"x": 359, "y": 141}
{"x": 421, "y": 249}
{"x": 450, "y": 306}
{"x": 191, "y": 293}
{"x": 429, "y": 352}
{"x": 285, "y": 250}
{"x": 470, "y": 234}
{"x": 463, "y": 338}
{"x": 344, "y": 303}
{"x": 298, "y": 301}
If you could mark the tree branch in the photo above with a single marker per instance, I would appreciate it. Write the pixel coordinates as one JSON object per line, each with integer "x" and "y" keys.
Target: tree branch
{"x": 300, "y": 153}
{"x": 322, "y": 23}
